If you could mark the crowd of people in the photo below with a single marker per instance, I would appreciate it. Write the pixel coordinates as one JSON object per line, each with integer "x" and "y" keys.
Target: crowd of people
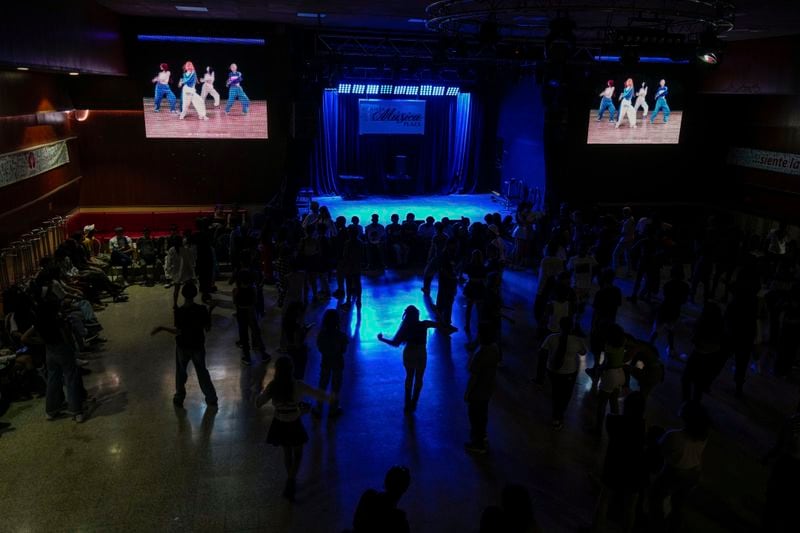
{"x": 750, "y": 305}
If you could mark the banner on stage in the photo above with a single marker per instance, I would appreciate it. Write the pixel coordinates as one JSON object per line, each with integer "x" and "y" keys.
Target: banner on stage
{"x": 765, "y": 160}
{"x": 404, "y": 117}
{"x": 24, "y": 164}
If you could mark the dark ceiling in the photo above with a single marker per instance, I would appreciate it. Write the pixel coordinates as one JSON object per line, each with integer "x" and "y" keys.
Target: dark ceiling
{"x": 753, "y": 18}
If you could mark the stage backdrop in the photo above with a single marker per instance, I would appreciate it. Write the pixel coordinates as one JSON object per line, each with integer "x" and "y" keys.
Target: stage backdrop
{"x": 442, "y": 160}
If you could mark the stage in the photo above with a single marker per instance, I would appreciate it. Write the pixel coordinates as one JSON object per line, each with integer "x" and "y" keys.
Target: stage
{"x": 605, "y": 132}
{"x": 234, "y": 125}
{"x": 454, "y": 206}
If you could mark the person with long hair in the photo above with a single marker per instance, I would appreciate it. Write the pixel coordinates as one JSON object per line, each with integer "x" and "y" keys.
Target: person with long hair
{"x": 607, "y": 102}
{"x": 188, "y": 84}
{"x": 162, "y": 89}
{"x": 626, "y": 105}
{"x": 208, "y": 86}
{"x": 287, "y": 430}
{"x": 412, "y": 332}
{"x": 612, "y": 375}
{"x": 563, "y": 351}
{"x": 332, "y": 344}
{"x": 641, "y": 101}
{"x": 235, "y": 91}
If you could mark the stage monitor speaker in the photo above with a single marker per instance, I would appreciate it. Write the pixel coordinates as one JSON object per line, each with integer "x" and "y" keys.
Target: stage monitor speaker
{"x": 400, "y": 167}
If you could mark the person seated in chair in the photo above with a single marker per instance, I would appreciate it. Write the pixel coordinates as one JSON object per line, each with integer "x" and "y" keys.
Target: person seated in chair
{"x": 121, "y": 251}
{"x": 148, "y": 254}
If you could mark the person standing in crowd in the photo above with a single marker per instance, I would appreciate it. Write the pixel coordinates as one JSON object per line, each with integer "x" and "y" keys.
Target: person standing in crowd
{"x": 550, "y": 266}
{"x": 121, "y": 248}
{"x": 244, "y": 299}
{"x": 624, "y": 469}
{"x": 707, "y": 338}
{"x": 192, "y": 321}
{"x": 607, "y": 102}
{"x": 447, "y": 288}
{"x": 438, "y": 243}
{"x": 332, "y": 345}
{"x": 208, "y": 87}
{"x": 557, "y": 309}
{"x": 376, "y": 242}
{"x": 482, "y": 370}
{"x": 582, "y": 267}
{"x": 626, "y": 105}
{"x": 626, "y": 239}
{"x": 377, "y": 511}
{"x": 645, "y": 365}
{"x": 412, "y": 332}
{"x": 475, "y": 288}
{"x": 661, "y": 102}
{"x": 612, "y": 375}
{"x": 294, "y": 332}
{"x": 179, "y": 266}
{"x": 148, "y": 251}
{"x": 162, "y": 89}
{"x": 676, "y": 293}
{"x": 188, "y": 84}
{"x": 235, "y": 90}
{"x": 287, "y": 430}
{"x": 741, "y": 317}
{"x": 350, "y": 266}
{"x": 562, "y": 352}
{"x": 682, "y": 450}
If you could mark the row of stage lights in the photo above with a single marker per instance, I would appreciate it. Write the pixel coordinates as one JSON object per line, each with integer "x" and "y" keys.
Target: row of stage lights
{"x": 404, "y": 90}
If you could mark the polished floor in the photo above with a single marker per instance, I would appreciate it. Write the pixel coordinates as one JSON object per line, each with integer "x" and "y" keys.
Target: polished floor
{"x": 137, "y": 464}
{"x": 659, "y": 132}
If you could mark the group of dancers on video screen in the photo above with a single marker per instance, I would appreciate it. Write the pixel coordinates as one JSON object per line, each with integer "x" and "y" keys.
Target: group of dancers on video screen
{"x": 188, "y": 85}
{"x": 629, "y": 107}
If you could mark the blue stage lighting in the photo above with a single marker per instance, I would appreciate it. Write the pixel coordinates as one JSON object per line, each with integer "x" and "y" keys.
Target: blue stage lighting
{"x": 196, "y": 39}
{"x": 452, "y": 91}
{"x": 344, "y": 88}
{"x": 399, "y": 89}
{"x": 373, "y": 89}
{"x": 386, "y": 89}
{"x": 413, "y": 90}
{"x": 358, "y": 88}
{"x": 438, "y": 90}
{"x": 644, "y": 59}
{"x": 425, "y": 90}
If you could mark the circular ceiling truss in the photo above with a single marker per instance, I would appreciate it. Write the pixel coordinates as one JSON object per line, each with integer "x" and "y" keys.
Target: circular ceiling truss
{"x": 593, "y": 19}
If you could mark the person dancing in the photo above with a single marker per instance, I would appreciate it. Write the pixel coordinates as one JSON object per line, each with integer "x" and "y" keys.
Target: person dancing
{"x": 235, "y": 91}
{"x": 162, "y": 89}
{"x": 189, "y": 93}
{"x": 414, "y": 333}
{"x": 607, "y": 102}
{"x": 641, "y": 101}
{"x": 626, "y": 107}
{"x": 208, "y": 87}
{"x": 661, "y": 102}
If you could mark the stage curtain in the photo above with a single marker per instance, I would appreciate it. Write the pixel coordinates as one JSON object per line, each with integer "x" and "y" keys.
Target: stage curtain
{"x": 441, "y": 161}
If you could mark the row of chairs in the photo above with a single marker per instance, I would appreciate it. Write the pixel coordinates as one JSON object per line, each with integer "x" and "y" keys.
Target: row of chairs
{"x": 20, "y": 259}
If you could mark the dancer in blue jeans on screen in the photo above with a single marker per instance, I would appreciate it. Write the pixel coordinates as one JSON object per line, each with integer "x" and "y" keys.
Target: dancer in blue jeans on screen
{"x": 162, "y": 89}
{"x": 661, "y": 102}
{"x": 235, "y": 91}
{"x": 607, "y": 102}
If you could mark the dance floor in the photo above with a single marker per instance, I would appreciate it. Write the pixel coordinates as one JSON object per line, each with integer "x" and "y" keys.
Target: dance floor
{"x": 454, "y": 206}
{"x": 234, "y": 125}
{"x": 604, "y": 132}
{"x": 138, "y": 464}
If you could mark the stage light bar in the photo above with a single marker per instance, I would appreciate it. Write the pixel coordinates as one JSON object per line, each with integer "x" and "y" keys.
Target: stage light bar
{"x": 373, "y": 89}
{"x": 344, "y": 88}
{"x": 425, "y": 90}
{"x": 413, "y": 90}
{"x": 358, "y": 88}
{"x": 452, "y": 91}
{"x": 438, "y": 90}
{"x": 192, "y": 9}
{"x": 306, "y": 15}
{"x": 196, "y": 39}
{"x": 386, "y": 89}
{"x": 644, "y": 59}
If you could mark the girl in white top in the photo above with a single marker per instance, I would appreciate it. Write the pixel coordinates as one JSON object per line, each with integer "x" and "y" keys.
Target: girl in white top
{"x": 563, "y": 352}
{"x": 179, "y": 266}
{"x": 640, "y": 101}
{"x": 162, "y": 89}
{"x": 208, "y": 87}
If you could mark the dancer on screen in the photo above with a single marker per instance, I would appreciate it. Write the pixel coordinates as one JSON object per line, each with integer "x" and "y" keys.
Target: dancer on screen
{"x": 641, "y": 102}
{"x": 235, "y": 91}
{"x": 607, "y": 102}
{"x": 189, "y": 92}
{"x": 626, "y": 106}
{"x": 208, "y": 87}
{"x": 661, "y": 102}
{"x": 162, "y": 89}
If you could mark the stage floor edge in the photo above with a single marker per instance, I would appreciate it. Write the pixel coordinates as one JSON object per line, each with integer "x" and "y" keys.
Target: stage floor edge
{"x": 454, "y": 206}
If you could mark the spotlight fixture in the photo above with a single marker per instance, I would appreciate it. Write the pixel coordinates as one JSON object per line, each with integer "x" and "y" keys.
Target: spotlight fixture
{"x": 386, "y": 89}
{"x": 23, "y": 68}
{"x": 358, "y": 88}
{"x": 709, "y": 48}
{"x": 373, "y": 88}
{"x": 344, "y": 88}
{"x": 452, "y": 91}
{"x": 74, "y": 73}
{"x": 426, "y": 90}
{"x": 438, "y": 90}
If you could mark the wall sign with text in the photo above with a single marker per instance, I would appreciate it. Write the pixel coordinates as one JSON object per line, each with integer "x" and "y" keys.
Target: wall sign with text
{"x": 765, "y": 160}
{"x": 24, "y": 164}
{"x": 404, "y": 117}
